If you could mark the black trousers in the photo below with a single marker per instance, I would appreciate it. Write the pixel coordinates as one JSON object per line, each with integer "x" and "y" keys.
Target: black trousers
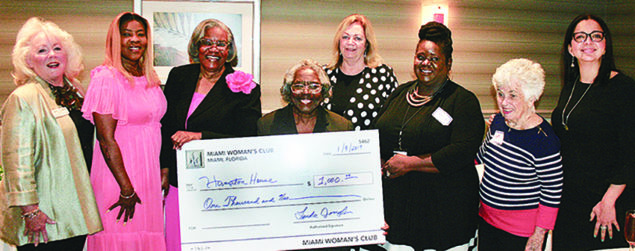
{"x": 71, "y": 244}
{"x": 491, "y": 238}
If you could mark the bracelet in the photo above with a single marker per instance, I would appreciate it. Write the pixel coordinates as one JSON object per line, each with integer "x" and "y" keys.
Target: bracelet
{"x": 127, "y": 197}
{"x": 31, "y": 215}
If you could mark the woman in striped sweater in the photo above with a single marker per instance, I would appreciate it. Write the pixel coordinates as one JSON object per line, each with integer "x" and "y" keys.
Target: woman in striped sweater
{"x": 522, "y": 184}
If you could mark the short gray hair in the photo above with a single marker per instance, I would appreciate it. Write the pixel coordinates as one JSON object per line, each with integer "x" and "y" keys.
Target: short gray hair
{"x": 285, "y": 90}
{"x": 529, "y": 75}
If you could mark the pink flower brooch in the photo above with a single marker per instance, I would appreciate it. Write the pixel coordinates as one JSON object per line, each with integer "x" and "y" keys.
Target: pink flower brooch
{"x": 240, "y": 82}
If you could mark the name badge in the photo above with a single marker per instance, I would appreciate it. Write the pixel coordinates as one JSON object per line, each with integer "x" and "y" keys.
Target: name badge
{"x": 60, "y": 112}
{"x": 402, "y": 152}
{"x": 442, "y": 116}
{"x": 498, "y": 137}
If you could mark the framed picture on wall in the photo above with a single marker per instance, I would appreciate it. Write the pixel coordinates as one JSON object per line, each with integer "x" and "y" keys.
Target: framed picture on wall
{"x": 172, "y": 24}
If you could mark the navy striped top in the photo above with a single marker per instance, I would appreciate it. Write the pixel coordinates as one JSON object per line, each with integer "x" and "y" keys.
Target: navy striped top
{"x": 522, "y": 167}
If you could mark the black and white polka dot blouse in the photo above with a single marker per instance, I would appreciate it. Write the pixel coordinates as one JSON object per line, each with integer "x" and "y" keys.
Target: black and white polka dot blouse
{"x": 360, "y": 100}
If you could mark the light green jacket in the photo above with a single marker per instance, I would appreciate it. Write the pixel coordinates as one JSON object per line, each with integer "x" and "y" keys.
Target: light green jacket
{"x": 43, "y": 164}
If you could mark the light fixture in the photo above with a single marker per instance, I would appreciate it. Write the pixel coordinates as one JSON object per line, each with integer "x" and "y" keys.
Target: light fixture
{"x": 434, "y": 11}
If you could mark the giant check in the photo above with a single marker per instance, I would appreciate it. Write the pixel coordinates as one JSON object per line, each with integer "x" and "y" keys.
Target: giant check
{"x": 281, "y": 192}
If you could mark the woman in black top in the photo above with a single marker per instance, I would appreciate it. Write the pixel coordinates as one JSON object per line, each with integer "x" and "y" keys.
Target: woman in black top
{"x": 594, "y": 120}
{"x": 361, "y": 82}
{"x": 430, "y": 130}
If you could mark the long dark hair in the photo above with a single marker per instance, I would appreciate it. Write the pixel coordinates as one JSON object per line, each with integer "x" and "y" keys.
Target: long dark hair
{"x": 570, "y": 74}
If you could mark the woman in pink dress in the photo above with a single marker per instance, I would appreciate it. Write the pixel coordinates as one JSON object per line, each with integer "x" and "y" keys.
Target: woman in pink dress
{"x": 125, "y": 102}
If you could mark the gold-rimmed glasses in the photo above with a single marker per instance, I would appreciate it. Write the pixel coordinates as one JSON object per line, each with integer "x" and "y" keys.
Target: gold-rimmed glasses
{"x": 208, "y": 43}
{"x": 299, "y": 86}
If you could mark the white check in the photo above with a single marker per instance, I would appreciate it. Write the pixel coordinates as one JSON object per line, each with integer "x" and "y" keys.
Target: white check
{"x": 281, "y": 192}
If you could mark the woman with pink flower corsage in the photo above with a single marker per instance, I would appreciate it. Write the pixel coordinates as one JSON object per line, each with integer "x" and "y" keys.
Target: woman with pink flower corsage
{"x": 206, "y": 100}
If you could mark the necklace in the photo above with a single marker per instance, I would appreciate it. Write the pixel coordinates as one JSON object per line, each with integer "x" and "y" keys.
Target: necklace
{"x": 565, "y": 119}
{"x": 67, "y": 96}
{"x": 416, "y": 100}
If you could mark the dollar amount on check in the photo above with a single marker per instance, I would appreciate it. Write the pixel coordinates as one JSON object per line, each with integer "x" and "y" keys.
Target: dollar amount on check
{"x": 281, "y": 192}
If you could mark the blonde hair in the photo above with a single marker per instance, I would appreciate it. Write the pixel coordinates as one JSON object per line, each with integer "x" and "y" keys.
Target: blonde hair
{"x": 371, "y": 57}
{"x": 113, "y": 49}
{"x": 199, "y": 33}
{"x": 529, "y": 75}
{"x": 287, "y": 81}
{"x": 22, "y": 73}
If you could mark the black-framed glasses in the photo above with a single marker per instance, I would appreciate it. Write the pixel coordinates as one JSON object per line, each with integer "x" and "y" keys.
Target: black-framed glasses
{"x": 313, "y": 87}
{"x": 220, "y": 44}
{"x": 581, "y": 37}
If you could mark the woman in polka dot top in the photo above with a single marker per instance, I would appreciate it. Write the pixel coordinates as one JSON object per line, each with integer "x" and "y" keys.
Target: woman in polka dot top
{"x": 361, "y": 82}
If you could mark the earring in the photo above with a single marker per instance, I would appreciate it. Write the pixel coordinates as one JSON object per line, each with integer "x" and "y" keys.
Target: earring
{"x": 572, "y": 60}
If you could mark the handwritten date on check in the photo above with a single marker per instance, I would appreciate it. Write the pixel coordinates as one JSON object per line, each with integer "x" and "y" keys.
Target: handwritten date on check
{"x": 281, "y": 192}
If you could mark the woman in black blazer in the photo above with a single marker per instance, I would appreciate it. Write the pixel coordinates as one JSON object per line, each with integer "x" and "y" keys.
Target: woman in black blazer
{"x": 206, "y": 100}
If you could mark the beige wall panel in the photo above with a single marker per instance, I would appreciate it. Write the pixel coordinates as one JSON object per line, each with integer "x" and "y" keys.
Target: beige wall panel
{"x": 486, "y": 34}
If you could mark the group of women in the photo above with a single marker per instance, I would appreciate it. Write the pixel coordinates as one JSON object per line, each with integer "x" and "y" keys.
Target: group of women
{"x": 537, "y": 176}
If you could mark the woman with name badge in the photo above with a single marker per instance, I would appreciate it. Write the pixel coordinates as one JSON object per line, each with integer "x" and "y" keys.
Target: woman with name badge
{"x": 430, "y": 130}
{"x": 46, "y": 198}
{"x": 522, "y": 182}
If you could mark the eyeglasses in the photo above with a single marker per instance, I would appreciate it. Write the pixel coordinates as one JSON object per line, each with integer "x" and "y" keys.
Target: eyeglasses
{"x": 299, "y": 86}
{"x": 208, "y": 43}
{"x": 596, "y": 36}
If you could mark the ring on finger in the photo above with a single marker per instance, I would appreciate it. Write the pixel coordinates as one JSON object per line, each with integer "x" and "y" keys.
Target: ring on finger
{"x": 604, "y": 227}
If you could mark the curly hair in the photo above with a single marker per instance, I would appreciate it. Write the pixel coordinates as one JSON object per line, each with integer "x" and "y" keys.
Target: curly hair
{"x": 527, "y": 74}
{"x": 22, "y": 73}
{"x": 287, "y": 81}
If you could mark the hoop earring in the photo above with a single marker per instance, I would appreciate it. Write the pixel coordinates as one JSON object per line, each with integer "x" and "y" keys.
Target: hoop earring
{"x": 572, "y": 62}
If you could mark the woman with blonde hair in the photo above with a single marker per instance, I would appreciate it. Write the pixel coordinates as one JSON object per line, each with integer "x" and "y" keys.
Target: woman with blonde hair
{"x": 46, "y": 198}
{"x": 125, "y": 102}
{"x": 361, "y": 81}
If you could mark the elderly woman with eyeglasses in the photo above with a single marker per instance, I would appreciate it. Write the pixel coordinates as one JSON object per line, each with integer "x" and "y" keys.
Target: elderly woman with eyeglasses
{"x": 206, "y": 100}
{"x": 304, "y": 88}
{"x": 594, "y": 120}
